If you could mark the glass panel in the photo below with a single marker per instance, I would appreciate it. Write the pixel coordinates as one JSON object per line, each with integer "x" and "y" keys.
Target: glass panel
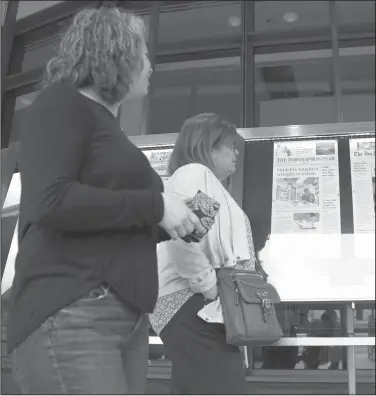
{"x": 294, "y": 88}
{"x": 289, "y": 15}
{"x": 9, "y": 385}
{"x": 131, "y": 120}
{"x": 365, "y": 371}
{"x": 299, "y": 358}
{"x": 355, "y": 12}
{"x": 357, "y": 71}
{"x": 184, "y": 89}
{"x": 21, "y": 108}
{"x": 131, "y": 111}
{"x": 3, "y": 7}
{"x": 38, "y": 53}
{"x": 196, "y": 84}
{"x": 199, "y": 24}
{"x": 8, "y": 166}
{"x": 303, "y": 320}
{"x": 41, "y": 44}
{"x": 9, "y": 245}
{"x": 365, "y": 320}
{"x": 26, "y": 8}
{"x": 365, "y": 358}
{"x": 13, "y": 194}
{"x": 8, "y": 248}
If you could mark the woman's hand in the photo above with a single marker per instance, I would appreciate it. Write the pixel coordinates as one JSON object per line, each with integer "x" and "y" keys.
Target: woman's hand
{"x": 178, "y": 220}
{"x": 212, "y": 293}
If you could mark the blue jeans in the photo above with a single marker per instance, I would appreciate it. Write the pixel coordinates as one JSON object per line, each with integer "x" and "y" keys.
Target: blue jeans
{"x": 97, "y": 345}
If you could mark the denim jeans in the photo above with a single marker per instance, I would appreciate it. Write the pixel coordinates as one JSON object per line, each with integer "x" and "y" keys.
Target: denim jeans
{"x": 97, "y": 345}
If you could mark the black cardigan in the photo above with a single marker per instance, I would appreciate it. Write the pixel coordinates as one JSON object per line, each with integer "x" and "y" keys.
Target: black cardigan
{"x": 90, "y": 205}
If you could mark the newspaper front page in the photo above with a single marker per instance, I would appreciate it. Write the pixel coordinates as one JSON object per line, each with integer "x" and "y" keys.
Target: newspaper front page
{"x": 304, "y": 257}
{"x": 362, "y": 158}
{"x": 159, "y": 160}
{"x": 306, "y": 197}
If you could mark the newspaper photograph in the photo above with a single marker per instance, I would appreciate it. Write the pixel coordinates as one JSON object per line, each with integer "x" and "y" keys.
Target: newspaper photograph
{"x": 362, "y": 159}
{"x": 306, "y": 196}
{"x": 159, "y": 159}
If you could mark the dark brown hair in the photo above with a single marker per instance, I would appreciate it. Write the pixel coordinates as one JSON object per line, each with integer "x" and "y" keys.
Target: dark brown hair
{"x": 102, "y": 48}
{"x": 198, "y": 136}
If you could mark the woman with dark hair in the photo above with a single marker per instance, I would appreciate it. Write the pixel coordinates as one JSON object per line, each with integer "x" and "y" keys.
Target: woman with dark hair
{"x": 91, "y": 214}
{"x": 188, "y": 315}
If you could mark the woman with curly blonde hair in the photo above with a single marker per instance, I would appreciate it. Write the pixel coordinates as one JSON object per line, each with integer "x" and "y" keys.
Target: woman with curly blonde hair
{"x": 91, "y": 214}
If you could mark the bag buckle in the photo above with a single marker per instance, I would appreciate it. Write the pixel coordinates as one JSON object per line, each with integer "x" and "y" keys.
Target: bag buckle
{"x": 266, "y": 304}
{"x": 266, "y": 307}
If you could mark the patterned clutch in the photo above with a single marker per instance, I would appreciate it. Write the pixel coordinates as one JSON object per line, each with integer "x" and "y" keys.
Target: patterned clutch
{"x": 205, "y": 208}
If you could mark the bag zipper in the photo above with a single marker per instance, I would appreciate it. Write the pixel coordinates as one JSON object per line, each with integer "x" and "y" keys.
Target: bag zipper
{"x": 247, "y": 273}
{"x": 236, "y": 294}
{"x": 236, "y": 288}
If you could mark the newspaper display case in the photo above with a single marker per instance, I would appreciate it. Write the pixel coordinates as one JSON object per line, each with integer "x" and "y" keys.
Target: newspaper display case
{"x": 330, "y": 220}
{"x": 342, "y": 260}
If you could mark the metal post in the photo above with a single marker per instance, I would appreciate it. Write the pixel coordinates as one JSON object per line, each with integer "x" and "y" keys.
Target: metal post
{"x": 152, "y": 48}
{"x": 7, "y": 38}
{"x": 250, "y": 361}
{"x": 247, "y": 65}
{"x": 247, "y": 115}
{"x": 343, "y": 321}
{"x": 336, "y": 61}
{"x": 351, "y": 369}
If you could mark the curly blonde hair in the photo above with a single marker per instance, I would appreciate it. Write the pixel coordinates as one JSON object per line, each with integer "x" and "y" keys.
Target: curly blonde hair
{"x": 102, "y": 48}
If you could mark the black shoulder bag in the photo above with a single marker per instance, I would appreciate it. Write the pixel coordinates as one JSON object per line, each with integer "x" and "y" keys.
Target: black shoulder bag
{"x": 248, "y": 307}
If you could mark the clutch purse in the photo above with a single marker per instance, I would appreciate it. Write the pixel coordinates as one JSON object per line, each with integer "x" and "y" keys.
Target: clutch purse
{"x": 205, "y": 208}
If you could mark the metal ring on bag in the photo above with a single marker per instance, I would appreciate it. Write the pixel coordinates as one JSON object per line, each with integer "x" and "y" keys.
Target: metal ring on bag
{"x": 95, "y": 294}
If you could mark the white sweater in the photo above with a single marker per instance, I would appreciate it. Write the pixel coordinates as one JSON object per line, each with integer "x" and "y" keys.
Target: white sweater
{"x": 182, "y": 265}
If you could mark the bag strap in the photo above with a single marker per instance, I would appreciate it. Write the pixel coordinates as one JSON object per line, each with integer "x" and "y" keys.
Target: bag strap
{"x": 259, "y": 268}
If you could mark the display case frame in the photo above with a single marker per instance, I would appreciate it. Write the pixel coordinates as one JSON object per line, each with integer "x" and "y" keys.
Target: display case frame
{"x": 292, "y": 132}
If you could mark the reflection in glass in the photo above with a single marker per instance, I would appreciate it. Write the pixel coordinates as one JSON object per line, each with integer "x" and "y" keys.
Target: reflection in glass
{"x": 290, "y": 15}
{"x": 199, "y": 24}
{"x": 26, "y": 8}
{"x": 21, "y": 108}
{"x": 364, "y": 320}
{"x": 365, "y": 358}
{"x": 298, "y": 320}
{"x": 197, "y": 84}
{"x": 132, "y": 109}
{"x": 368, "y": 316}
{"x": 355, "y": 12}
{"x": 184, "y": 89}
{"x": 357, "y": 74}
{"x": 9, "y": 242}
{"x": 294, "y": 88}
{"x": 328, "y": 356}
{"x": 13, "y": 196}
{"x": 38, "y": 54}
{"x": 9, "y": 249}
